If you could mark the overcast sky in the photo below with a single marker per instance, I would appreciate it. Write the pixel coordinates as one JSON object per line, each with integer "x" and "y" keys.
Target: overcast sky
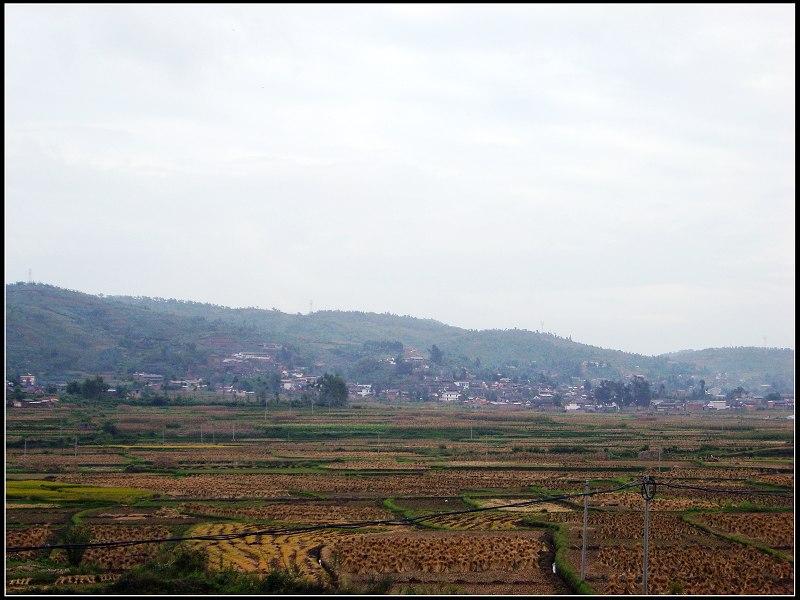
{"x": 623, "y": 174}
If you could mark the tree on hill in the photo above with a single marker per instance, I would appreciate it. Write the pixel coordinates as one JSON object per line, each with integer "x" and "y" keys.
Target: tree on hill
{"x": 274, "y": 385}
{"x": 605, "y": 393}
{"x": 437, "y": 356}
{"x": 332, "y": 390}
{"x": 402, "y": 367}
{"x": 701, "y": 389}
{"x": 735, "y": 393}
{"x": 640, "y": 391}
{"x": 92, "y": 388}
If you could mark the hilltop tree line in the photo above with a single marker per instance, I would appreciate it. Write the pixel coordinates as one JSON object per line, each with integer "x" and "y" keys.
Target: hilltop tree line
{"x": 123, "y": 335}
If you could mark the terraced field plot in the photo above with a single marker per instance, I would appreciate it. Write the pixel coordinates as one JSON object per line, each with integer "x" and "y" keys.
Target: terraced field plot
{"x": 304, "y": 513}
{"x": 261, "y": 553}
{"x": 126, "y": 557}
{"x": 693, "y": 568}
{"x": 773, "y": 529}
{"x": 383, "y": 462}
{"x": 475, "y": 559}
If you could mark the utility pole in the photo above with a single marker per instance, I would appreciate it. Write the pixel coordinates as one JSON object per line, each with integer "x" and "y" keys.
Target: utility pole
{"x": 163, "y": 435}
{"x": 648, "y": 492}
{"x": 26, "y": 447}
{"x": 201, "y": 434}
{"x": 585, "y": 525}
{"x": 76, "y": 446}
{"x": 234, "y": 430}
{"x": 213, "y": 437}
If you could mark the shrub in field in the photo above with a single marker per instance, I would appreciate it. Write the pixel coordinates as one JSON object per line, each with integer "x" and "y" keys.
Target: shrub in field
{"x": 675, "y": 587}
{"x": 165, "y": 463}
{"x": 78, "y": 534}
{"x": 283, "y": 582}
{"x": 183, "y": 570}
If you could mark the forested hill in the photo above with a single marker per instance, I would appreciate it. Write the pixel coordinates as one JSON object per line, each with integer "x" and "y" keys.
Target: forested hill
{"x": 747, "y": 361}
{"x": 58, "y": 333}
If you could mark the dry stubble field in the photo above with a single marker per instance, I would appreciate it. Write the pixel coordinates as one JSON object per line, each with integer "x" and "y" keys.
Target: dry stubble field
{"x": 379, "y": 463}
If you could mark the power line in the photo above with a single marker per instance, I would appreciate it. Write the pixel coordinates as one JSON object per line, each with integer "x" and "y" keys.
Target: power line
{"x": 241, "y": 534}
{"x": 403, "y": 521}
{"x": 725, "y": 490}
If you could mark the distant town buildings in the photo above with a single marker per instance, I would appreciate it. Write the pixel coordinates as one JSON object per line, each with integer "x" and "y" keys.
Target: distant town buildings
{"x": 148, "y": 377}
{"x": 249, "y": 371}
{"x": 448, "y": 396}
{"x": 717, "y": 405}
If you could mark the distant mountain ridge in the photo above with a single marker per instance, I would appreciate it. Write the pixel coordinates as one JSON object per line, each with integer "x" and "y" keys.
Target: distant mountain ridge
{"x": 59, "y": 333}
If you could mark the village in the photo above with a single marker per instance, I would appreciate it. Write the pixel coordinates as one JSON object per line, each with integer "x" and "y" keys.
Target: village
{"x": 247, "y": 374}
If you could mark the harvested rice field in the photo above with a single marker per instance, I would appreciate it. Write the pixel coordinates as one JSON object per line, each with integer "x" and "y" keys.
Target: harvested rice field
{"x": 401, "y": 499}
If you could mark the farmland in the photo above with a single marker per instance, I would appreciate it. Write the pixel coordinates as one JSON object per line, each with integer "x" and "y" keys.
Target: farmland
{"x": 244, "y": 480}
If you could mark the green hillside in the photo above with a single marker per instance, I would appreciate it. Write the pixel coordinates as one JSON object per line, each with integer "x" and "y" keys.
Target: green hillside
{"x": 772, "y": 365}
{"x": 57, "y": 334}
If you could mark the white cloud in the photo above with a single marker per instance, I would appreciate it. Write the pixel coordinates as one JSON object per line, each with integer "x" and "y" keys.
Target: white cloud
{"x": 616, "y": 171}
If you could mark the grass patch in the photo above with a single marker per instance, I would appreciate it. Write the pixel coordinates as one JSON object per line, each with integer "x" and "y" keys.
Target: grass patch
{"x": 768, "y": 486}
{"x": 51, "y": 491}
{"x": 406, "y": 513}
{"x": 306, "y": 494}
{"x": 471, "y": 502}
{"x": 560, "y": 536}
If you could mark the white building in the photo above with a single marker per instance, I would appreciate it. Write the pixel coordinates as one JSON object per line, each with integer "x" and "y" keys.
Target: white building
{"x": 572, "y": 406}
{"x": 717, "y": 404}
{"x": 449, "y": 396}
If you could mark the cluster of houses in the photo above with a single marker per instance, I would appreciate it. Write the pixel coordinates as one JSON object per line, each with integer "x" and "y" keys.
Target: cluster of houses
{"x": 748, "y": 403}
{"x": 429, "y": 383}
{"x": 27, "y": 382}
{"x": 253, "y": 362}
{"x": 36, "y": 395}
{"x": 44, "y": 401}
{"x": 560, "y": 398}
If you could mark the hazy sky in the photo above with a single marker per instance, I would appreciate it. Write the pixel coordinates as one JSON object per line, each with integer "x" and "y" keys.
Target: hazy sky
{"x": 624, "y": 174}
